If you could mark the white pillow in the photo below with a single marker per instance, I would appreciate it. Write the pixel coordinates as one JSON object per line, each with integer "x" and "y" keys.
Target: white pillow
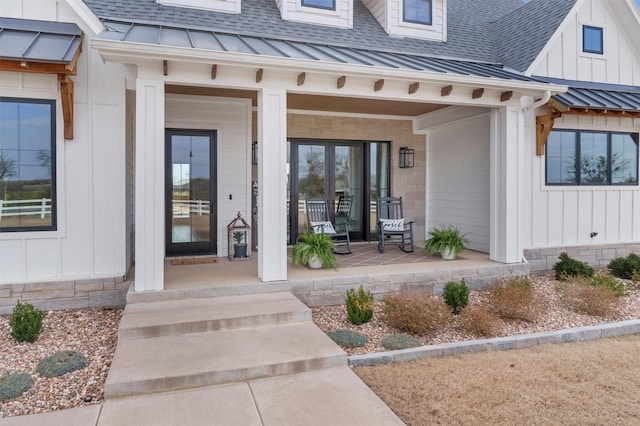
{"x": 323, "y": 227}
{"x": 392, "y": 224}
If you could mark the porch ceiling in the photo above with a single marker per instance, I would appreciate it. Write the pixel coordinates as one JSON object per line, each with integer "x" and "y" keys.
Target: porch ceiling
{"x": 320, "y": 103}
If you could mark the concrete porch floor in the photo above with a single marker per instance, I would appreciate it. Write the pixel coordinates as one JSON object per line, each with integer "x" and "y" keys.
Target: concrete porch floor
{"x": 379, "y": 273}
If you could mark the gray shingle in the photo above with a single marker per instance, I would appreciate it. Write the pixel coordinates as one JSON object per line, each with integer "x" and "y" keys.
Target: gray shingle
{"x": 470, "y": 28}
{"x": 520, "y": 35}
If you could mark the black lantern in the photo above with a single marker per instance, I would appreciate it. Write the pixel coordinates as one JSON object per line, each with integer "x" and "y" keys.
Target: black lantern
{"x": 406, "y": 157}
{"x": 254, "y": 153}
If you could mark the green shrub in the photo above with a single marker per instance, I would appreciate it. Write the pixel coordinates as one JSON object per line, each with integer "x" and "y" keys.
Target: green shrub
{"x": 400, "y": 341}
{"x": 569, "y": 267}
{"x": 348, "y": 338}
{"x": 618, "y": 287}
{"x": 359, "y": 306}
{"x": 582, "y": 296}
{"x": 14, "y": 385}
{"x": 625, "y": 267}
{"x": 61, "y": 363}
{"x": 456, "y": 295}
{"x": 416, "y": 312}
{"x": 26, "y": 322}
{"x": 512, "y": 298}
{"x": 478, "y": 320}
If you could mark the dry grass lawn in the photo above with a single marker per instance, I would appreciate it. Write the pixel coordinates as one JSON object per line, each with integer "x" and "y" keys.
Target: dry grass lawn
{"x": 586, "y": 383}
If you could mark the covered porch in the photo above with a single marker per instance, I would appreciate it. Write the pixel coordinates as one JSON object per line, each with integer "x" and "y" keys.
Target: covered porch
{"x": 270, "y": 98}
{"x": 376, "y": 272}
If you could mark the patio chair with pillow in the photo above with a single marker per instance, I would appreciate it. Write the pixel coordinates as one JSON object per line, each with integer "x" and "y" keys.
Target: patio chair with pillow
{"x": 392, "y": 226}
{"x": 319, "y": 221}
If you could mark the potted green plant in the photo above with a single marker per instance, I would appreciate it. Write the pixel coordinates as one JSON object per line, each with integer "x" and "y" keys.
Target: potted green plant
{"x": 239, "y": 248}
{"x": 315, "y": 250}
{"x": 449, "y": 242}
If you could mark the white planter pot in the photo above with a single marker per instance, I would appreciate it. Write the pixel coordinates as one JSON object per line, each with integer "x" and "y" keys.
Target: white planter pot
{"x": 447, "y": 254}
{"x": 315, "y": 262}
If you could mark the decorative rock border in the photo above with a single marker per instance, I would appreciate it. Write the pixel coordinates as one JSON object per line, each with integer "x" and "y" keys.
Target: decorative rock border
{"x": 578, "y": 334}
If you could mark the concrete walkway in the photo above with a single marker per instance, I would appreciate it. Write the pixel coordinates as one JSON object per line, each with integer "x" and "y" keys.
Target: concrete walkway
{"x": 233, "y": 360}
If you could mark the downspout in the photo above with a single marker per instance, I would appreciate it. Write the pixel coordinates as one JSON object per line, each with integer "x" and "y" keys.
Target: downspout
{"x": 545, "y": 98}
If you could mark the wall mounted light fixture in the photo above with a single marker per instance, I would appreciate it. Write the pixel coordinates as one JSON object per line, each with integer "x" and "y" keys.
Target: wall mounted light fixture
{"x": 406, "y": 157}
{"x": 254, "y": 153}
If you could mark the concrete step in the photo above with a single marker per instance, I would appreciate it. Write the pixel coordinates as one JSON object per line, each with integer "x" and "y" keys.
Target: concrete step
{"x": 168, "y": 363}
{"x": 166, "y": 318}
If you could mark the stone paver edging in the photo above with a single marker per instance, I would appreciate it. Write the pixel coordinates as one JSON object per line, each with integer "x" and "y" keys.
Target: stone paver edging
{"x": 578, "y": 334}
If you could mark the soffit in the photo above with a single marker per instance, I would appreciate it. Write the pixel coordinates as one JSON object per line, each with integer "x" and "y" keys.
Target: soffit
{"x": 305, "y": 102}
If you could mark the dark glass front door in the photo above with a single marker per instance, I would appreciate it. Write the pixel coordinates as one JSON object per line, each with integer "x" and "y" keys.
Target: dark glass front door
{"x": 190, "y": 192}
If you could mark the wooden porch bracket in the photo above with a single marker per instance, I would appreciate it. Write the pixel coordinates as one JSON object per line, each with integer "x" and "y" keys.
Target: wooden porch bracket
{"x": 341, "y": 82}
{"x": 378, "y": 85}
{"x": 214, "y": 72}
{"x": 505, "y": 96}
{"x": 301, "y": 77}
{"x": 259, "y": 74}
{"x": 446, "y": 90}
{"x": 66, "y": 93}
{"x": 413, "y": 87}
{"x": 477, "y": 93}
{"x": 544, "y": 124}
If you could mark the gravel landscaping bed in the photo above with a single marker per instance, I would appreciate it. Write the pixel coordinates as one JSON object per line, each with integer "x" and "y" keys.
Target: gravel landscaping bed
{"x": 91, "y": 332}
{"x": 554, "y": 316}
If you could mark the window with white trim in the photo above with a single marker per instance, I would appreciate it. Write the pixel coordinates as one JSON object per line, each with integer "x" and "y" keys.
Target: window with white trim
{"x": 417, "y": 11}
{"x": 27, "y": 165}
{"x": 581, "y": 157}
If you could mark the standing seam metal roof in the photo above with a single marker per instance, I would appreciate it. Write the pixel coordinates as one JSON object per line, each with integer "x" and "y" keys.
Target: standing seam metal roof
{"x": 224, "y": 42}
{"x": 39, "y": 41}
{"x": 590, "y": 95}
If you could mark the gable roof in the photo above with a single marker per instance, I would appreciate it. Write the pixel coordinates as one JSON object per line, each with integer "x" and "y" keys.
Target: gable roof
{"x": 469, "y": 27}
{"x": 520, "y": 36}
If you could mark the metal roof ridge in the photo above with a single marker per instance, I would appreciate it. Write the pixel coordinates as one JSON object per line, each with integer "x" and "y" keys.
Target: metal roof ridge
{"x": 591, "y": 85}
{"x": 306, "y": 41}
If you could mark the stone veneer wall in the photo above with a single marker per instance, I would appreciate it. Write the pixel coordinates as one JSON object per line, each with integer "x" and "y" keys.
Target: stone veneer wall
{"x": 57, "y": 295}
{"x": 543, "y": 259}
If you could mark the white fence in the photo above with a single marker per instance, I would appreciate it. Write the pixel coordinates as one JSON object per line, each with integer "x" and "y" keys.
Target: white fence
{"x": 183, "y": 208}
{"x": 39, "y": 207}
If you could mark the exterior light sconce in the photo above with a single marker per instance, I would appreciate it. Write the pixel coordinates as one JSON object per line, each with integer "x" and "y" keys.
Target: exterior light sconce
{"x": 254, "y": 153}
{"x": 406, "y": 157}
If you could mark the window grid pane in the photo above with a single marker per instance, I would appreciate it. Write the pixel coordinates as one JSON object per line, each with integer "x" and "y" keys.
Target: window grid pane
{"x": 592, "y": 39}
{"x": 418, "y": 11}
{"x": 320, "y": 4}
{"x": 591, "y": 158}
{"x": 27, "y": 165}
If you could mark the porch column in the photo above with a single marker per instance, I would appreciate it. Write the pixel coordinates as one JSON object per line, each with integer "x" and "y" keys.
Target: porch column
{"x": 272, "y": 174}
{"x": 149, "y": 190}
{"x": 507, "y": 137}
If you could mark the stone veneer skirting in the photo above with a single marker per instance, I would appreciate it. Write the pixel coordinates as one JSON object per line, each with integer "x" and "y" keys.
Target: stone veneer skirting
{"x": 543, "y": 259}
{"x": 332, "y": 290}
{"x": 72, "y": 294}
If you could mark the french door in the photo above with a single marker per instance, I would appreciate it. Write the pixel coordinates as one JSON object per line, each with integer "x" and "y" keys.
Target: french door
{"x": 335, "y": 169}
{"x": 190, "y": 184}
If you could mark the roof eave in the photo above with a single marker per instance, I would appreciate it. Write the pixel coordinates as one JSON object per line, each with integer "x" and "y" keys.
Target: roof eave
{"x": 137, "y": 53}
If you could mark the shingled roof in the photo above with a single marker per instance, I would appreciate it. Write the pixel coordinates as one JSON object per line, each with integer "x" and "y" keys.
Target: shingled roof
{"x": 470, "y": 29}
{"x": 520, "y": 35}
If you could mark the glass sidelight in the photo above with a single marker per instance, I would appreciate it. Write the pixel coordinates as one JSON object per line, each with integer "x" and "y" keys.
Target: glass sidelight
{"x": 190, "y": 192}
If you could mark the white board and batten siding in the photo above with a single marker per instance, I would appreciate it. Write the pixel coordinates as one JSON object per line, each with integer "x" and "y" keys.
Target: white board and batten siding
{"x": 341, "y": 17}
{"x": 458, "y": 156}
{"x": 90, "y": 178}
{"x": 231, "y": 119}
{"x": 389, "y": 13}
{"x": 564, "y": 58}
{"x": 565, "y": 216}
